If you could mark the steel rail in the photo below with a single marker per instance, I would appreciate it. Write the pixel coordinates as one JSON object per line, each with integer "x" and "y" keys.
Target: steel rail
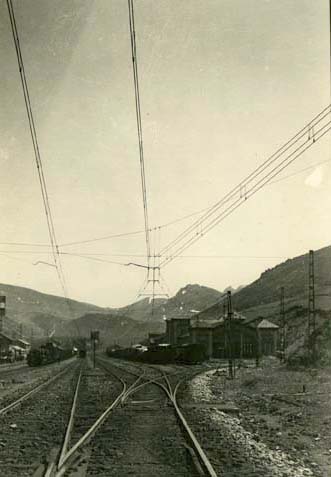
{"x": 33, "y": 391}
{"x": 135, "y": 387}
{"x": 10, "y": 368}
{"x": 202, "y": 456}
{"x": 65, "y": 463}
{"x": 71, "y": 421}
{"x": 65, "y": 460}
{"x": 128, "y": 391}
{"x": 172, "y": 395}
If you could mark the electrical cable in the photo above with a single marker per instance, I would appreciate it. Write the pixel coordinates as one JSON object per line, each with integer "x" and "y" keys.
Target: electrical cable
{"x": 240, "y": 194}
{"x": 240, "y": 188}
{"x": 139, "y": 123}
{"x": 237, "y": 203}
{"x": 41, "y": 176}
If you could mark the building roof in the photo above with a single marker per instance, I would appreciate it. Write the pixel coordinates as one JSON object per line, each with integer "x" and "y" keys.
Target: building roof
{"x": 267, "y": 324}
{"x": 205, "y": 324}
{"x": 23, "y": 341}
{"x": 17, "y": 348}
{"x": 6, "y": 337}
{"x": 179, "y": 317}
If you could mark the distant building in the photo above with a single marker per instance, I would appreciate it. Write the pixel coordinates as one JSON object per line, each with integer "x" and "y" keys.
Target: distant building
{"x": 178, "y": 330}
{"x": 242, "y": 338}
{"x": 268, "y": 337}
{"x": 221, "y": 342}
{"x": 23, "y": 344}
{"x": 5, "y": 343}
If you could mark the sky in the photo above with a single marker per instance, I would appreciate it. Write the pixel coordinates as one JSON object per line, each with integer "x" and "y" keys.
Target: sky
{"x": 223, "y": 84}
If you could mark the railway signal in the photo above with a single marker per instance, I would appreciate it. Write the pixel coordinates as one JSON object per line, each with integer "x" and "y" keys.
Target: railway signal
{"x": 94, "y": 339}
{"x": 2, "y": 311}
{"x": 282, "y": 323}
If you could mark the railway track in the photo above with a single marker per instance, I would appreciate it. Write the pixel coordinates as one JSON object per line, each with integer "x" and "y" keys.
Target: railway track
{"x": 127, "y": 424}
{"x": 116, "y": 419}
{"x": 33, "y": 380}
{"x": 34, "y": 423}
{"x": 4, "y": 368}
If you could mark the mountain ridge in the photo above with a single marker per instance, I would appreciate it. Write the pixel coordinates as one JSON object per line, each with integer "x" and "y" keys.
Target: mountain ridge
{"x": 45, "y": 313}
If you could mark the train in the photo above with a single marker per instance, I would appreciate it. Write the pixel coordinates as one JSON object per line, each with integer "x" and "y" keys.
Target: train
{"x": 162, "y": 354}
{"x": 47, "y": 353}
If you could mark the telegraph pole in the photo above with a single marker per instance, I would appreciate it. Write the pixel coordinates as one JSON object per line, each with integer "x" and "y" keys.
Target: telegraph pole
{"x": 311, "y": 310}
{"x": 2, "y": 314}
{"x": 230, "y": 313}
{"x": 2, "y": 311}
{"x": 283, "y": 323}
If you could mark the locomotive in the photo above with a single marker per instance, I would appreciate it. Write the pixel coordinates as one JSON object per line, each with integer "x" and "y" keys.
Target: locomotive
{"x": 47, "y": 353}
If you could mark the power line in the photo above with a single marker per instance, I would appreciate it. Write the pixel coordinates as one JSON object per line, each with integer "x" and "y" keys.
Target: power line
{"x": 228, "y": 211}
{"x": 139, "y": 125}
{"x": 102, "y": 238}
{"x": 158, "y": 227}
{"x": 300, "y": 171}
{"x": 240, "y": 188}
{"x": 267, "y": 171}
{"x": 41, "y": 176}
{"x": 167, "y": 224}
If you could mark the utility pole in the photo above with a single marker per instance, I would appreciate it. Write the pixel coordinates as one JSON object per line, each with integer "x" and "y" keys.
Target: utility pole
{"x": 282, "y": 323}
{"x": 311, "y": 310}
{"x": 2, "y": 311}
{"x": 230, "y": 313}
{"x": 2, "y": 314}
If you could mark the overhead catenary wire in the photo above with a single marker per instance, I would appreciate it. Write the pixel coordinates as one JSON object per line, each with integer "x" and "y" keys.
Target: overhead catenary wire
{"x": 312, "y": 166}
{"x": 97, "y": 239}
{"x": 38, "y": 159}
{"x": 139, "y": 124}
{"x": 34, "y": 138}
{"x": 249, "y": 186}
{"x": 240, "y": 188}
{"x": 158, "y": 227}
{"x": 229, "y": 210}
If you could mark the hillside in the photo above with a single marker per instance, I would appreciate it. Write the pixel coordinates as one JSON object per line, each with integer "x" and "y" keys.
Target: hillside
{"x": 45, "y": 313}
{"x": 113, "y": 328}
{"x": 142, "y": 310}
{"x": 187, "y": 301}
{"x": 24, "y": 305}
{"x": 262, "y": 296}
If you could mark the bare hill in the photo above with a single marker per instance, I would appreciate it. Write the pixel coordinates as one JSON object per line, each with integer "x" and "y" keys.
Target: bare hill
{"x": 32, "y": 307}
{"x": 262, "y": 296}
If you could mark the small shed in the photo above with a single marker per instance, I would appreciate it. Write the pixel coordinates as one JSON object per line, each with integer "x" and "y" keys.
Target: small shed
{"x": 5, "y": 343}
{"x": 268, "y": 337}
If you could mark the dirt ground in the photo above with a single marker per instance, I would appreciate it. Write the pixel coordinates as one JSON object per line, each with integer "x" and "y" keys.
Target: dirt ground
{"x": 288, "y": 410}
